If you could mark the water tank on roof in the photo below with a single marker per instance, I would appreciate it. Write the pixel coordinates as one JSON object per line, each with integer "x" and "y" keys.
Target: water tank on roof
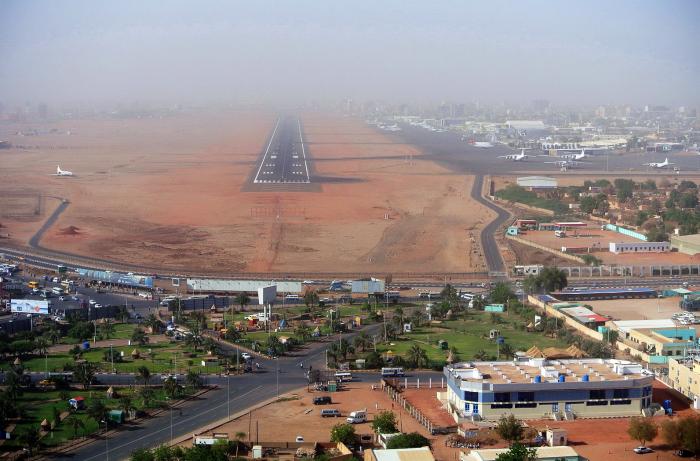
{"x": 585, "y": 378}
{"x": 562, "y": 378}
{"x": 538, "y": 379}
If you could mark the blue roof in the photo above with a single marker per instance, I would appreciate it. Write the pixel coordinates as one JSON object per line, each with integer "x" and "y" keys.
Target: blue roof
{"x": 606, "y": 291}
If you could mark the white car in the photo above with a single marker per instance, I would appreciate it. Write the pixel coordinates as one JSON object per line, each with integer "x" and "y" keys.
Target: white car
{"x": 245, "y": 356}
{"x": 643, "y": 450}
{"x": 308, "y": 282}
{"x": 92, "y": 302}
{"x": 61, "y": 298}
{"x": 97, "y": 305}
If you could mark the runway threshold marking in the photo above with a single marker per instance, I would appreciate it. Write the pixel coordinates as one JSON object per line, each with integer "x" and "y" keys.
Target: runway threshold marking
{"x": 268, "y": 149}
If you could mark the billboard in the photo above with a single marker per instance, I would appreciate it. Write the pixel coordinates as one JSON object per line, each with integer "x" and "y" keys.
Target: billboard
{"x": 267, "y": 295}
{"x": 117, "y": 278}
{"x": 29, "y": 306}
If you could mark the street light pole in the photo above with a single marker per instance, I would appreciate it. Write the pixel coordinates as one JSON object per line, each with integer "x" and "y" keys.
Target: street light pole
{"x": 278, "y": 378}
{"x": 111, "y": 356}
{"x": 106, "y": 440}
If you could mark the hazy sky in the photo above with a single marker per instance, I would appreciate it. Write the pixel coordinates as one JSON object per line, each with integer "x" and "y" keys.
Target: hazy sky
{"x": 592, "y": 52}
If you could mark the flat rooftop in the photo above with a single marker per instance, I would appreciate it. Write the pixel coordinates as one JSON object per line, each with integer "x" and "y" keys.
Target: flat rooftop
{"x": 549, "y": 371}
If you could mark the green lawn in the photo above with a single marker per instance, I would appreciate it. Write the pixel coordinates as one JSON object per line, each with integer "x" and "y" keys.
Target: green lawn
{"x": 164, "y": 357}
{"x": 468, "y": 336}
{"x": 39, "y": 405}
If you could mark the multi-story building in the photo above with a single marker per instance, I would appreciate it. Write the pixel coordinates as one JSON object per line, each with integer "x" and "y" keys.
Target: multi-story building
{"x": 537, "y": 388}
{"x": 655, "y": 346}
{"x": 684, "y": 376}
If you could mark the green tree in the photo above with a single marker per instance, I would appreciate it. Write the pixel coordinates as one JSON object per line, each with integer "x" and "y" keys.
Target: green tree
{"x": 84, "y": 373}
{"x": 642, "y": 429}
{"x": 384, "y": 423}
{"x": 362, "y": 341}
{"x": 193, "y": 379}
{"x": 553, "y": 279}
{"x": 449, "y": 295}
{"x": 154, "y": 323}
{"x": 480, "y": 355}
{"x": 30, "y": 438}
{"x": 139, "y": 336}
{"x": 518, "y": 452}
{"x": 690, "y": 433}
{"x": 510, "y": 429}
{"x": 588, "y": 204}
{"x": 417, "y": 357}
{"x": 144, "y": 373}
{"x": 143, "y": 454}
{"x": 107, "y": 329}
{"x": 97, "y": 411}
{"x": 243, "y": 300}
{"x": 126, "y": 404}
{"x": 171, "y": 388}
{"x": 303, "y": 331}
{"x": 75, "y": 423}
{"x": 672, "y": 434}
{"x": 501, "y": 293}
{"x": 344, "y": 433}
{"x": 410, "y": 440}
{"x": 310, "y": 298}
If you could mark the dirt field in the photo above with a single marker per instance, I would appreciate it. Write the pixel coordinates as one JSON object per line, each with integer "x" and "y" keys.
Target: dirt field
{"x": 167, "y": 192}
{"x": 637, "y": 309}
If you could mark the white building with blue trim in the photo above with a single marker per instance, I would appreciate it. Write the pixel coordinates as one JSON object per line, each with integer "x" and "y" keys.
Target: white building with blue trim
{"x": 539, "y": 388}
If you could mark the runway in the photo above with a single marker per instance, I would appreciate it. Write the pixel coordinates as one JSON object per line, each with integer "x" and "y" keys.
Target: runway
{"x": 284, "y": 164}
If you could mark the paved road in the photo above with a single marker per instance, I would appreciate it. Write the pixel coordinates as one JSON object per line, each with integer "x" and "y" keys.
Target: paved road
{"x": 284, "y": 159}
{"x": 492, "y": 255}
{"x": 36, "y": 238}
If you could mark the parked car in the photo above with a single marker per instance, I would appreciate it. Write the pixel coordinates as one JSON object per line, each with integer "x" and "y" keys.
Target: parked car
{"x": 643, "y": 450}
{"x": 246, "y": 356}
{"x": 323, "y": 400}
{"x": 330, "y": 413}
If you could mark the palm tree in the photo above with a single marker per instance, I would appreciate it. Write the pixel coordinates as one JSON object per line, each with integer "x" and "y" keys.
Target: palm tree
{"x": 362, "y": 341}
{"x": 310, "y": 298}
{"x": 303, "y": 331}
{"x": 144, "y": 373}
{"x": 154, "y": 323}
{"x": 532, "y": 284}
{"x": 506, "y": 350}
{"x": 239, "y": 436}
{"x": 107, "y": 328}
{"x": 417, "y": 318}
{"x": 242, "y": 300}
{"x": 193, "y": 379}
{"x": 53, "y": 335}
{"x": 170, "y": 387}
{"x": 417, "y": 357}
{"x": 30, "y": 438}
{"x": 126, "y": 404}
{"x": 42, "y": 345}
{"x": 480, "y": 355}
{"x": 139, "y": 336}
{"x": 75, "y": 423}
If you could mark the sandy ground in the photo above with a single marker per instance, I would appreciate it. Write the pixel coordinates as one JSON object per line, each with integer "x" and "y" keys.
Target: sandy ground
{"x": 168, "y": 192}
{"x": 637, "y": 309}
{"x": 596, "y": 439}
{"x": 283, "y": 421}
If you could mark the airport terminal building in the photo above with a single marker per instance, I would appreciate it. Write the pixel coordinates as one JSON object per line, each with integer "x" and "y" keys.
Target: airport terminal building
{"x": 539, "y": 388}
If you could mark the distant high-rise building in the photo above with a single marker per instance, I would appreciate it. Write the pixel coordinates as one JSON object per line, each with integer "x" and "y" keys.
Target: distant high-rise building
{"x": 43, "y": 111}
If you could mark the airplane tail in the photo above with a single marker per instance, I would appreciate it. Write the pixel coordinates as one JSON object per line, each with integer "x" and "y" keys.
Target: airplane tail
{"x": 58, "y": 169}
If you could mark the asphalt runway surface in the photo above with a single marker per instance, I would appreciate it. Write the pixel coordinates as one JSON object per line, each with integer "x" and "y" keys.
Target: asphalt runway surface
{"x": 284, "y": 160}
{"x": 449, "y": 150}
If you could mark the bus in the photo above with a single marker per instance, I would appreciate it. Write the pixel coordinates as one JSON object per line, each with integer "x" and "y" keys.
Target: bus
{"x": 343, "y": 376}
{"x": 393, "y": 294}
{"x": 392, "y": 372}
{"x": 66, "y": 376}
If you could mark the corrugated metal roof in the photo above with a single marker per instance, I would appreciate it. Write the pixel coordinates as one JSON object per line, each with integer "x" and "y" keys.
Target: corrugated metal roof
{"x": 404, "y": 454}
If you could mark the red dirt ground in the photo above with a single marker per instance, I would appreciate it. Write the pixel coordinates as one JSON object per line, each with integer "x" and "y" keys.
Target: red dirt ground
{"x": 167, "y": 192}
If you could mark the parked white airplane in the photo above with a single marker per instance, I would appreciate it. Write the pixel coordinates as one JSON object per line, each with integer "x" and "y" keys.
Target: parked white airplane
{"x": 663, "y": 164}
{"x": 515, "y": 157}
{"x": 60, "y": 172}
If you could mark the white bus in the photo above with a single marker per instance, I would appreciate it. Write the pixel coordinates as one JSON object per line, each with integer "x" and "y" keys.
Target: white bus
{"x": 392, "y": 372}
{"x": 58, "y": 291}
{"x": 343, "y": 376}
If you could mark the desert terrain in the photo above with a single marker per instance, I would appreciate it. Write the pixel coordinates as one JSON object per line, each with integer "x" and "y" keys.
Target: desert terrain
{"x": 171, "y": 193}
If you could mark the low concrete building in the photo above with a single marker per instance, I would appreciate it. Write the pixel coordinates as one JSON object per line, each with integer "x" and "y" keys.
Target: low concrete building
{"x": 639, "y": 247}
{"x": 537, "y": 388}
{"x": 401, "y": 454}
{"x": 656, "y": 345}
{"x": 543, "y": 454}
{"x": 688, "y": 244}
{"x": 537, "y": 182}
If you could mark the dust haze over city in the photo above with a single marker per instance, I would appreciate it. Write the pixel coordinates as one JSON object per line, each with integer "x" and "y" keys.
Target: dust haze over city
{"x": 213, "y": 213}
